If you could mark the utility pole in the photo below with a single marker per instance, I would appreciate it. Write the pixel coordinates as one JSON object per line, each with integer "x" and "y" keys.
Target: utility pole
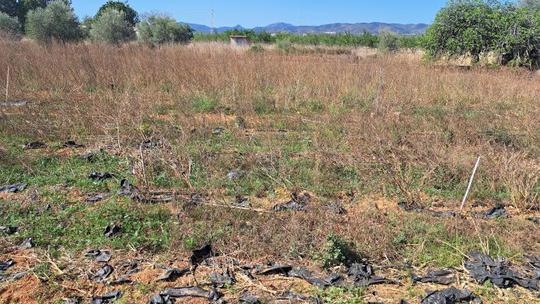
{"x": 213, "y": 22}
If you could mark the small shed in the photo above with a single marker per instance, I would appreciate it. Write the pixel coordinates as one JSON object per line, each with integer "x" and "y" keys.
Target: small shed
{"x": 239, "y": 40}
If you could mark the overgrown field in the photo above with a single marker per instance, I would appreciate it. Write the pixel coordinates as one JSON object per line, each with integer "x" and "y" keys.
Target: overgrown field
{"x": 214, "y": 138}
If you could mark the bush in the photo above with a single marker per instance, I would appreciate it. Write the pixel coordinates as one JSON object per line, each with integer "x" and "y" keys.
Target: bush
{"x": 338, "y": 252}
{"x": 475, "y": 27}
{"x": 388, "y": 42}
{"x": 9, "y": 7}
{"x": 9, "y": 26}
{"x": 159, "y": 30}
{"x": 56, "y": 22}
{"x": 130, "y": 14}
{"x": 111, "y": 27}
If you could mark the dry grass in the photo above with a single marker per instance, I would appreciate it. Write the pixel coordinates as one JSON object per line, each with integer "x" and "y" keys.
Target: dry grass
{"x": 363, "y": 129}
{"x": 392, "y": 119}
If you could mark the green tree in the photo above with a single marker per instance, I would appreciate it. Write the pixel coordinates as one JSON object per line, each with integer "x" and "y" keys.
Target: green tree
{"x": 464, "y": 27}
{"x": 530, "y": 4}
{"x": 9, "y": 7}
{"x": 160, "y": 29}
{"x": 519, "y": 42}
{"x": 130, "y": 14}
{"x": 388, "y": 42}
{"x": 9, "y": 26}
{"x": 112, "y": 27}
{"x": 55, "y": 22}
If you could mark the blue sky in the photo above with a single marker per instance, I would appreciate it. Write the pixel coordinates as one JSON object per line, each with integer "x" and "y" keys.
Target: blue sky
{"x": 299, "y": 12}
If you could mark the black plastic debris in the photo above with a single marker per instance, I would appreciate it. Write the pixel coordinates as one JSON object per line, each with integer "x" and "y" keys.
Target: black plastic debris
{"x": 186, "y": 292}
{"x": 308, "y": 276}
{"x": 27, "y": 244}
{"x": 100, "y": 176}
{"x": 450, "y": 296}
{"x": 297, "y": 203}
{"x": 102, "y": 273}
{"x": 107, "y": 298}
{"x": 172, "y": 274}
{"x": 9, "y": 230}
{"x": 72, "y": 144}
{"x": 34, "y": 145}
{"x": 534, "y": 219}
{"x": 112, "y": 230}
{"x": 443, "y": 214}
{"x": 241, "y": 201}
{"x": 89, "y": 157}
{"x": 15, "y": 188}
{"x": 101, "y": 256}
{"x": 482, "y": 268}
{"x": 218, "y": 131}
{"x": 442, "y": 276}
{"x": 235, "y": 174}
{"x": 72, "y": 300}
{"x": 275, "y": 269}
{"x": 247, "y": 298}
{"x": 150, "y": 144}
{"x": 128, "y": 189}
{"x": 410, "y": 207}
{"x": 496, "y": 212}
{"x": 226, "y": 278}
{"x": 362, "y": 275}
{"x": 121, "y": 281}
{"x": 4, "y": 265}
{"x": 199, "y": 255}
{"x": 94, "y": 198}
{"x": 160, "y": 299}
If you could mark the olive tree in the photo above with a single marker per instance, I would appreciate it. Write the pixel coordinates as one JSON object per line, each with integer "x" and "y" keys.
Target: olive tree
{"x": 112, "y": 27}
{"x": 55, "y": 22}
{"x": 157, "y": 30}
{"x": 464, "y": 27}
{"x": 130, "y": 15}
{"x": 9, "y": 26}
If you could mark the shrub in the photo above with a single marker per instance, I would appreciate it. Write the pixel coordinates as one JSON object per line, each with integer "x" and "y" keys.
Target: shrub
{"x": 130, "y": 14}
{"x": 9, "y": 26}
{"x": 388, "y": 42}
{"x": 9, "y": 7}
{"x": 159, "y": 30}
{"x": 475, "y": 27}
{"x": 338, "y": 252}
{"x": 57, "y": 22}
{"x": 111, "y": 27}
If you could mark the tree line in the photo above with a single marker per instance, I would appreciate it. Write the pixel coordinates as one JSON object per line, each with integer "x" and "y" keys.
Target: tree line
{"x": 509, "y": 30}
{"x": 115, "y": 22}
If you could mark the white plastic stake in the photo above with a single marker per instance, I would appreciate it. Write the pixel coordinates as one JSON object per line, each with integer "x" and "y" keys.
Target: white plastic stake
{"x": 470, "y": 184}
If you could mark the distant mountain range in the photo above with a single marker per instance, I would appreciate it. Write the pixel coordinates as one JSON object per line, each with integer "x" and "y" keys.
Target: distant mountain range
{"x": 354, "y": 28}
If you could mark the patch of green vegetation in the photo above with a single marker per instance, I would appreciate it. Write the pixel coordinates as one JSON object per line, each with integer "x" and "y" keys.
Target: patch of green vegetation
{"x": 204, "y": 104}
{"x": 71, "y": 171}
{"x": 264, "y": 104}
{"x": 78, "y": 226}
{"x": 339, "y": 295}
{"x": 431, "y": 243}
{"x": 337, "y": 251}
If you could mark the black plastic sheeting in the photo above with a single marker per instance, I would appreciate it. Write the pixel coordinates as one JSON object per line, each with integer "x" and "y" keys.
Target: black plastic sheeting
{"x": 100, "y": 176}
{"x": 102, "y": 273}
{"x": 442, "y": 276}
{"x": 9, "y": 230}
{"x": 27, "y": 244}
{"x": 226, "y": 278}
{"x": 101, "y": 256}
{"x": 14, "y": 188}
{"x": 112, "y": 230}
{"x": 34, "y": 145}
{"x": 199, "y": 255}
{"x": 482, "y": 268}
{"x": 4, "y": 265}
{"x": 450, "y": 296}
{"x": 297, "y": 203}
{"x": 107, "y": 298}
{"x": 172, "y": 274}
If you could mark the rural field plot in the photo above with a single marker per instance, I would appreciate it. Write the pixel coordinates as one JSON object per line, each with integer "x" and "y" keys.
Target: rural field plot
{"x": 204, "y": 173}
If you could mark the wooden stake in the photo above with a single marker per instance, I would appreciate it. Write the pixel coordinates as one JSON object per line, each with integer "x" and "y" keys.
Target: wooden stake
{"x": 7, "y": 84}
{"x": 470, "y": 184}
